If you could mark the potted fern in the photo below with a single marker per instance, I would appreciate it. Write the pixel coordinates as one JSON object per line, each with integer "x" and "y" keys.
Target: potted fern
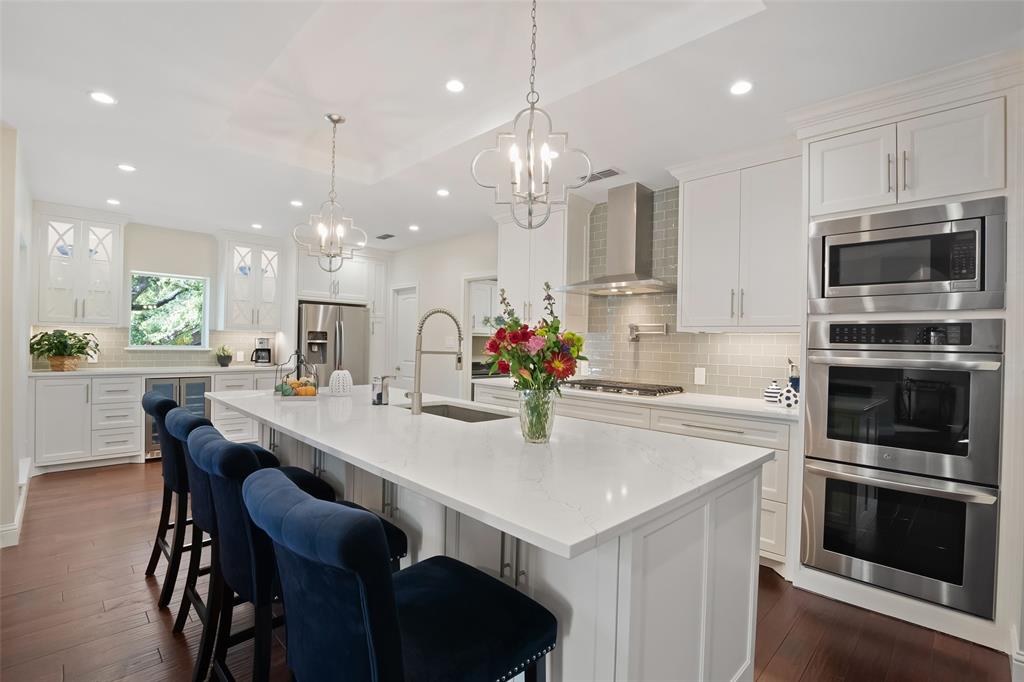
{"x": 62, "y": 348}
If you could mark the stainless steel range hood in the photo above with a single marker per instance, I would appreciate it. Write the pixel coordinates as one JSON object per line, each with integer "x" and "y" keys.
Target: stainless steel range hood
{"x": 630, "y": 247}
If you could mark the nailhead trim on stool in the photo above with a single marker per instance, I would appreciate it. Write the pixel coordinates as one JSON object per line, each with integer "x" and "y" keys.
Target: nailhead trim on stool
{"x": 522, "y": 666}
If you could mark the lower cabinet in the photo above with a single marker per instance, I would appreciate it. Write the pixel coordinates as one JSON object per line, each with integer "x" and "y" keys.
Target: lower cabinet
{"x": 234, "y": 425}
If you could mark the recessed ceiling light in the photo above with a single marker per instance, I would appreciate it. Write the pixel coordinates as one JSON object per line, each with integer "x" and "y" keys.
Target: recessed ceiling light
{"x": 113, "y": 202}
{"x": 443, "y": 192}
{"x": 455, "y": 85}
{"x": 414, "y": 228}
{"x": 741, "y": 87}
{"x": 102, "y": 97}
{"x": 296, "y": 203}
{"x": 257, "y": 226}
{"x": 126, "y": 167}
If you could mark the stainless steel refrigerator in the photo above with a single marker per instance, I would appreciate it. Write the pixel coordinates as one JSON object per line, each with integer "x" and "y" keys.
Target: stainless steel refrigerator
{"x": 335, "y": 336}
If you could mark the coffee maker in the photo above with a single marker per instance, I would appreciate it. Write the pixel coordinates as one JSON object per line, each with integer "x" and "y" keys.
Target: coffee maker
{"x": 261, "y": 355}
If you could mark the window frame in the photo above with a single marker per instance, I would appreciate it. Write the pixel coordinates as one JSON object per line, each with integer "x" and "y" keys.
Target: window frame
{"x": 205, "y": 343}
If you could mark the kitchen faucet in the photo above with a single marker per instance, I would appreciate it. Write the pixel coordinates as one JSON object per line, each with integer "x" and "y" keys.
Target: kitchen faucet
{"x": 417, "y": 393}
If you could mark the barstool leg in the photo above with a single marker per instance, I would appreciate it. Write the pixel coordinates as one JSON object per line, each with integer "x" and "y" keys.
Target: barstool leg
{"x": 214, "y": 601}
{"x": 161, "y": 532}
{"x": 188, "y": 592}
{"x": 177, "y": 543}
{"x": 262, "y": 642}
{"x": 227, "y": 604}
{"x": 535, "y": 672}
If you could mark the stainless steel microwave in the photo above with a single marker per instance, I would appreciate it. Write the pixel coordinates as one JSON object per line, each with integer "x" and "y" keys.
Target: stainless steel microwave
{"x": 948, "y": 257}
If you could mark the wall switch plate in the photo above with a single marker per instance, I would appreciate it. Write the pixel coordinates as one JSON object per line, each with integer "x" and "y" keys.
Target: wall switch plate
{"x": 700, "y": 375}
{"x": 239, "y": 356}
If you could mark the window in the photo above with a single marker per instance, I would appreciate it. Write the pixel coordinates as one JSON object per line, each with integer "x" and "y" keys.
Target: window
{"x": 168, "y": 311}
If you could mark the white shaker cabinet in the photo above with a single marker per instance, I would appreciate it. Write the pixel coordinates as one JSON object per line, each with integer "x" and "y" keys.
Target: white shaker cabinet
{"x": 483, "y": 303}
{"x": 853, "y": 171}
{"x": 957, "y": 151}
{"x": 63, "y": 420}
{"x": 80, "y": 271}
{"x": 952, "y": 152}
{"x": 514, "y": 265}
{"x": 355, "y": 282}
{"x": 252, "y": 299}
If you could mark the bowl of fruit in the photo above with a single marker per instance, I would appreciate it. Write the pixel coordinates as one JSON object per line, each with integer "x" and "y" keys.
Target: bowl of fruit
{"x": 295, "y": 379}
{"x": 296, "y": 388}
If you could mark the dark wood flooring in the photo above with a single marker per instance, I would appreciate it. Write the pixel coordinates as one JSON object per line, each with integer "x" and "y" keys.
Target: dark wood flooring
{"x": 75, "y": 605}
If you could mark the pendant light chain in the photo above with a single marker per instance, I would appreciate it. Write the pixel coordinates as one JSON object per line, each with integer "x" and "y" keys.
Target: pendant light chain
{"x": 533, "y": 96}
{"x": 332, "y": 195}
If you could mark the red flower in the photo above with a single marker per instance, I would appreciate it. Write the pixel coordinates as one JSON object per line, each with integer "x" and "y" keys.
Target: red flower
{"x": 560, "y": 366}
{"x": 491, "y": 348}
{"x": 515, "y": 337}
{"x": 500, "y": 334}
{"x": 503, "y": 367}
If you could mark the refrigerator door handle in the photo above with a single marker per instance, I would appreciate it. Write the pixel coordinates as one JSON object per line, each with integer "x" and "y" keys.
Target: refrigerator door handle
{"x": 340, "y": 343}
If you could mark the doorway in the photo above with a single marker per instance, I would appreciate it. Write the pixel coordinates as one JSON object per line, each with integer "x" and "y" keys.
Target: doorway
{"x": 404, "y": 317}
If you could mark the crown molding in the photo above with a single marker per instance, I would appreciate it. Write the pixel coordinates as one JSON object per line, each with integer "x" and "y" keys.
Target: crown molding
{"x": 785, "y": 148}
{"x": 974, "y": 78}
{"x": 79, "y": 212}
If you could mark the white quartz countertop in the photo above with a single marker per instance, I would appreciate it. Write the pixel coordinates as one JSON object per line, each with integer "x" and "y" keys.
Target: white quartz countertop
{"x": 702, "y": 402}
{"x": 85, "y": 370}
{"x": 592, "y": 482}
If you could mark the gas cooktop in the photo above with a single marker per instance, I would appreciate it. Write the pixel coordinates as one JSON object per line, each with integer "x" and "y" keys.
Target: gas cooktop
{"x": 627, "y": 387}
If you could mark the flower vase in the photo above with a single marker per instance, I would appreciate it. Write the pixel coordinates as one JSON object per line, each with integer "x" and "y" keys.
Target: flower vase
{"x": 537, "y": 414}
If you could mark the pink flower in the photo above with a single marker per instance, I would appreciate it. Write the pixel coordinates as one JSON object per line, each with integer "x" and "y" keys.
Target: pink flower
{"x": 535, "y": 343}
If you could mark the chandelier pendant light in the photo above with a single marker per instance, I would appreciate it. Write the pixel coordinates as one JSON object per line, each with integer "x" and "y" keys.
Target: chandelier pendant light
{"x": 330, "y": 236}
{"x": 523, "y": 160}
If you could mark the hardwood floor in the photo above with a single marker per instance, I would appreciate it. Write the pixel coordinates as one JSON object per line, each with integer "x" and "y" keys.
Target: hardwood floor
{"x": 75, "y": 605}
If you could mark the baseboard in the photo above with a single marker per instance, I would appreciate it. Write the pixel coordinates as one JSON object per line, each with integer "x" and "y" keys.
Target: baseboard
{"x": 10, "y": 533}
{"x": 89, "y": 464}
{"x": 1017, "y": 657}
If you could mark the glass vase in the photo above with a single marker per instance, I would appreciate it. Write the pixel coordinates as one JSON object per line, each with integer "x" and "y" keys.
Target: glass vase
{"x": 537, "y": 414}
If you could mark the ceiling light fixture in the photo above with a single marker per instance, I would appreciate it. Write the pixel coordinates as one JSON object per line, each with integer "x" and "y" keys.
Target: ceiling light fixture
{"x": 126, "y": 167}
{"x": 330, "y": 236}
{"x": 113, "y": 202}
{"x": 296, "y": 203}
{"x": 257, "y": 226}
{"x": 443, "y": 192}
{"x": 530, "y": 148}
{"x": 102, "y": 97}
{"x": 455, "y": 85}
{"x": 741, "y": 87}
{"x": 414, "y": 228}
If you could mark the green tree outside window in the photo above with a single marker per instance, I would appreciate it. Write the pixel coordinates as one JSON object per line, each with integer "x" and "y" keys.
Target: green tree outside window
{"x": 167, "y": 310}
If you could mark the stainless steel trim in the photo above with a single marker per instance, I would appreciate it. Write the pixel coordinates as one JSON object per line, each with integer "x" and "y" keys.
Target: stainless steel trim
{"x": 888, "y": 173}
{"x": 952, "y": 361}
{"x": 339, "y": 343}
{"x": 732, "y": 303}
{"x": 83, "y": 307}
{"x": 74, "y": 315}
{"x": 986, "y": 336}
{"x": 118, "y": 442}
{"x": 933, "y": 303}
{"x": 743, "y": 294}
{"x": 117, "y": 390}
{"x": 940, "y": 213}
{"x": 950, "y": 490}
{"x": 905, "y": 156}
{"x": 88, "y": 390}
{"x": 977, "y": 593}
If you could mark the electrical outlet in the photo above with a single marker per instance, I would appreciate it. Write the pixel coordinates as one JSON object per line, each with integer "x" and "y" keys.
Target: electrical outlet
{"x": 700, "y": 375}
{"x": 239, "y": 356}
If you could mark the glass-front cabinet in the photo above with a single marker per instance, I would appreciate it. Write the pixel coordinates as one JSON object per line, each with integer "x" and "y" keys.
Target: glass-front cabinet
{"x": 252, "y": 299}
{"x": 80, "y": 272}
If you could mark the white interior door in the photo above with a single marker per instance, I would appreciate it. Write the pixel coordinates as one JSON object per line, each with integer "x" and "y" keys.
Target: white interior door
{"x": 405, "y": 315}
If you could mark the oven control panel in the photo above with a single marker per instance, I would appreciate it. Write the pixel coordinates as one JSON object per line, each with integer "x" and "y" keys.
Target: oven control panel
{"x": 903, "y": 334}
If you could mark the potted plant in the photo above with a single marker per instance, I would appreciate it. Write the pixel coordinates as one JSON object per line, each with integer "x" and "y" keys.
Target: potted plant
{"x": 223, "y": 354}
{"x": 63, "y": 348}
{"x": 538, "y": 359}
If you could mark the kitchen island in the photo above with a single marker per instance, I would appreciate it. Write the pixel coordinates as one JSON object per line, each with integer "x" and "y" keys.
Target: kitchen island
{"x": 642, "y": 543}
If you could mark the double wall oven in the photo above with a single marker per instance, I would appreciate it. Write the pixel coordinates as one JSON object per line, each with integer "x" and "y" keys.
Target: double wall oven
{"x": 901, "y": 475}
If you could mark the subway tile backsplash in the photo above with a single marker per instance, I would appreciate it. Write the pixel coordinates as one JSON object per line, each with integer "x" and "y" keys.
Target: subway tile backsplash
{"x": 737, "y": 364}
{"x": 114, "y": 340}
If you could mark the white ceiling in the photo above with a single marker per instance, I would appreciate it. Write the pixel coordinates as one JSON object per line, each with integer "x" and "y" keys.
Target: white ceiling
{"x": 221, "y": 104}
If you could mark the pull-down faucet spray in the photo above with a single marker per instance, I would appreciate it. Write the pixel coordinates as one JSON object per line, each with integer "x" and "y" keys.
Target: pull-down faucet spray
{"x": 417, "y": 393}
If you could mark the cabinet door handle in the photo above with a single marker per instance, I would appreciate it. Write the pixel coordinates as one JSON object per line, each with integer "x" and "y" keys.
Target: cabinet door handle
{"x": 257, "y": 317}
{"x": 74, "y": 315}
{"x": 83, "y": 308}
{"x": 88, "y": 388}
{"x": 905, "y": 157}
{"x": 732, "y": 303}
{"x": 888, "y": 173}
{"x": 743, "y": 294}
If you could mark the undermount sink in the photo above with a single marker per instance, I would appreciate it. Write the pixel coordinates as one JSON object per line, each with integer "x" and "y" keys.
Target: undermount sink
{"x": 462, "y": 414}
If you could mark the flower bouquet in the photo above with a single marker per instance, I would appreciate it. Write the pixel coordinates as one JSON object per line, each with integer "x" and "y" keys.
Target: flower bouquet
{"x": 538, "y": 359}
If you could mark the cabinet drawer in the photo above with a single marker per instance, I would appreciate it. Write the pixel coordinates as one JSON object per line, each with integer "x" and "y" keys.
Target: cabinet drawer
{"x": 243, "y": 382}
{"x": 775, "y": 477}
{"x": 238, "y": 430}
{"x": 116, "y": 416}
{"x": 748, "y": 432}
{"x": 117, "y": 390}
{"x": 773, "y": 529}
{"x": 610, "y": 413}
{"x": 116, "y": 442}
{"x": 503, "y": 397}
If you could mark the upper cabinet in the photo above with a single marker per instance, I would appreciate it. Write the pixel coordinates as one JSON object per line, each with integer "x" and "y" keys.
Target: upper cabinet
{"x": 80, "y": 271}
{"x": 951, "y": 152}
{"x": 483, "y": 303}
{"x": 360, "y": 280}
{"x": 252, "y": 288}
{"x": 740, "y": 240}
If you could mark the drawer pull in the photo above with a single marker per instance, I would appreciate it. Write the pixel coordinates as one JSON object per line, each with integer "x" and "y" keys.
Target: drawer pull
{"x": 118, "y": 442}
{"x": 117, "y": 416}
{"x": 116, "y": 390}
{"x": 712, "y": 428}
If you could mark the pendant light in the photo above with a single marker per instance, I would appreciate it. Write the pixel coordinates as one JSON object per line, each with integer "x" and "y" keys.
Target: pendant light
{"x": 330, "y": 236}
{"x": 526, "y": 156}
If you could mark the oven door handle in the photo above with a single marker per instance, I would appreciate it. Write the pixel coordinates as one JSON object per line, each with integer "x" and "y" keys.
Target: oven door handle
{"x": 966, "y": 363}
{"x": 950, "y": 490}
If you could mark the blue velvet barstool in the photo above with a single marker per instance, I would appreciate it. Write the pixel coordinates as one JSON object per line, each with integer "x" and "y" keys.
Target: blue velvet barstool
{"x": 172, "y": 461}
{"x": 245, "y": 564}
{"x": 350, "y": 618}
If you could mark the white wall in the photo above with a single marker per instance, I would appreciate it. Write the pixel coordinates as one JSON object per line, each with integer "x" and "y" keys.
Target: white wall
{"x": 15, "y": 302}
{"x": 175, "y": 252}
{"x": 438, "y": 270}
